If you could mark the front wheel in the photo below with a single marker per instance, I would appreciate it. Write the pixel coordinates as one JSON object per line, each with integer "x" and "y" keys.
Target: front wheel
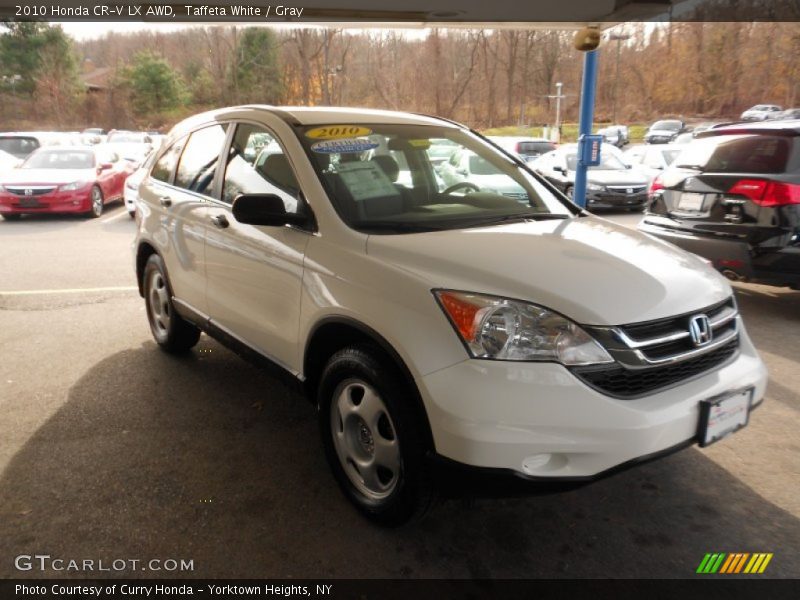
{"x": 173, "y": 333}
{"x": 570, "y": 193}
{"x": 96, "y": 203}
{"x": 373, "y": 436}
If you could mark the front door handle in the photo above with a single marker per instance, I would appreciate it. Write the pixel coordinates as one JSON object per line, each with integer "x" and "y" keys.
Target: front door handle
{"x": 220, "y": 221}
{"x": 165, "y": 201}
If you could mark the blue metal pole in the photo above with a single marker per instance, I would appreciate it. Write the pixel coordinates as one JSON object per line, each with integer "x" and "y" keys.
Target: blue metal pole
{"x": 586, "y": 117}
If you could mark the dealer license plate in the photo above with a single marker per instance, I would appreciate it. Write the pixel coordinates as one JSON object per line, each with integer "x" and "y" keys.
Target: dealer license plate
{"x": 724, "y": 415}
{"x": 691, "y": 201}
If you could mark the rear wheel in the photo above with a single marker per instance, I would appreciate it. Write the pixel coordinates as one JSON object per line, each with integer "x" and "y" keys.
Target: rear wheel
{"x": 96, "y": 203}
{"x": 373, "y": 437}
{"x": 173, "y": 333}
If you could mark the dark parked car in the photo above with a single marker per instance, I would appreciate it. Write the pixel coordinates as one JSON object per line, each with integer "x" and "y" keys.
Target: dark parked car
{"x": 664, "y": 132}
{"x": 733, "y": 196}
{"x": 611, "y": 184}
{"x": 786, "y": 115}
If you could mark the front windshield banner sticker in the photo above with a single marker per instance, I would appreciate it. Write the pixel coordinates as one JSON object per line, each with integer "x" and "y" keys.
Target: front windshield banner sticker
{"x": 336, "y": 132}
{"x": 343, "y": 146}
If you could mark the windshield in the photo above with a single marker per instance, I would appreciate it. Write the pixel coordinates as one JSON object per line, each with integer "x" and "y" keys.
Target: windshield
{"x": 60, "y": 159}
{"x": 668, "y": 125}
{"x": 126, "y": 138}
{"x": 382, "y": 180}
{"x": 608, "y": 162}
{"x": 19, "y": 147}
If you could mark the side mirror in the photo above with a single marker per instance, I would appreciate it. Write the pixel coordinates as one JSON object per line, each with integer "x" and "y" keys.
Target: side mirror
{"x": 560, "y": 169}
{"x": 264, "y": 209}
{"x": 105, "y": 166}
{"x": 462, "y": 171}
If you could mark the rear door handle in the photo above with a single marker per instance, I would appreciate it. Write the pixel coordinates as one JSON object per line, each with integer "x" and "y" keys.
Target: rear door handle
{"x": 220, "y": 221}
{"x": 165, "y": 201}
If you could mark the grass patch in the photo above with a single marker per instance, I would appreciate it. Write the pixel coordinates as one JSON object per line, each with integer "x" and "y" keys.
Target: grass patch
{"x": 569, "y": 131}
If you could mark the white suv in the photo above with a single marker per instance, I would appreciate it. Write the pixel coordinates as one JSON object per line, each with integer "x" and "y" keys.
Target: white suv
{"x": 435, "y": 325}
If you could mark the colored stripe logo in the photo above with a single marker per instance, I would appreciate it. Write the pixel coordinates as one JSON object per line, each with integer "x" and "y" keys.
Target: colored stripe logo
{"x": 734, "y": 562}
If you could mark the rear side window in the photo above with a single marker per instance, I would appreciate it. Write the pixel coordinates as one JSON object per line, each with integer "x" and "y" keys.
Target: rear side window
{"x": 199, "y": 160}
{"x": 764, "y": 154}
{"x": 165, "y": 165}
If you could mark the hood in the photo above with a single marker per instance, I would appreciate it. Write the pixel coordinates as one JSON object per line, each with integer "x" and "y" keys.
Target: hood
{"x": 589, "y": 269}
{"x": 626, "y": 177}
{"x": 44, "y": 176}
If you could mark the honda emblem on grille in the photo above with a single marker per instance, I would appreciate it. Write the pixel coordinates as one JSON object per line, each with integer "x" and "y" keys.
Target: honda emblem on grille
{"x": 700, "y": 330}
{"x": 28, "y": 192}
{"x": 629, "y": 190}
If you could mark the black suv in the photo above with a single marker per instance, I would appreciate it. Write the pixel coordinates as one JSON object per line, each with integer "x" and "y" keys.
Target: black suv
{"x": 733, "y": 197}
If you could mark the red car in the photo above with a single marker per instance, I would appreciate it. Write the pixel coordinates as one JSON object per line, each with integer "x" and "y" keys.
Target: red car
{"x": 63, "y": 180}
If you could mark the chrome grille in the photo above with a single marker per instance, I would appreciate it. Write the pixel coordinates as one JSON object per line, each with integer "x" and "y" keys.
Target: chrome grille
{"x": 656, "y": 353}
{"x": 624, "y": 189}
{"x": 34, "y": 190}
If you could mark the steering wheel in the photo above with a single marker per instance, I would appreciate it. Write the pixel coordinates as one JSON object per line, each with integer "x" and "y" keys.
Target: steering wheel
{"x": 462, "y": 184}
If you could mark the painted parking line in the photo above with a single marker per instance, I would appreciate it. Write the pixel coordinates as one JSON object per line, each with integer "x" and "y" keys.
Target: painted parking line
{"x": 126, "y": 288}
{"x": 114, "y": 216}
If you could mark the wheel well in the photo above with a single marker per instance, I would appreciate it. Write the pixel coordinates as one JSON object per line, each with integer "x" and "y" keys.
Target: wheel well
{"x": 331, "y": 336}
{"x": 144, "y": 252}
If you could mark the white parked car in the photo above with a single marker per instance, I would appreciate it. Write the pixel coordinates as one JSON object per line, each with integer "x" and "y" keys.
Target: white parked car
{"x": 435, "y": 327}
{"x": 130, "y": 192}
{"x": 653, "y": 159}
{"x": 761, "y": 112}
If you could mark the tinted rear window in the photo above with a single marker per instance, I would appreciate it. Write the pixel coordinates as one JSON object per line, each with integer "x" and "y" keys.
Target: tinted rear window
{"x": 535, "y": 147}
{"x": 737, "y": 154}
{"x": 18, "y": 146}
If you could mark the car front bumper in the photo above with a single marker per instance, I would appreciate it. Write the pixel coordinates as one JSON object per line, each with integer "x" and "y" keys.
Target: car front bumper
{"x": 540, "y": 421}
{"x": 608, "y": 199}
{"x": 77, "y": 201}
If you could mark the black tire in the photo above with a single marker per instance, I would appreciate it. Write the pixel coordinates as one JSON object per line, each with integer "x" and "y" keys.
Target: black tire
{"x": 170, "y": 331}
{"x": 569, "y": 192}
{"x": 95, "y": 207}
{"x": 132, "y": 215}
{"x": 412, "y": 493}
{"x": 12, "y": 217}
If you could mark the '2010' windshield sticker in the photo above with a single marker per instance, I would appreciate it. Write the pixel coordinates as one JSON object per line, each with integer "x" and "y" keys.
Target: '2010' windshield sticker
{"x": 343, "y": 146}
{"x": 337, "y": 132}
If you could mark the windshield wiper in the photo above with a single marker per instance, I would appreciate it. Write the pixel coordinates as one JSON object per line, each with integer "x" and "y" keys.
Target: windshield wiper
{"x": 478, "y": 222}
{"x": 397, "y": 226}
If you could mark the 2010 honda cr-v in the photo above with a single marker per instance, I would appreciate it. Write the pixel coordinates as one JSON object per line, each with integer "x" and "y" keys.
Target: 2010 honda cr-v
{"x": 499, "y": 329}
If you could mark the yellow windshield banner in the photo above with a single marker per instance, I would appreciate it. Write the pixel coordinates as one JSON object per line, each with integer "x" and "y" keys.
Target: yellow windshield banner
{"x": 335, "y": 132}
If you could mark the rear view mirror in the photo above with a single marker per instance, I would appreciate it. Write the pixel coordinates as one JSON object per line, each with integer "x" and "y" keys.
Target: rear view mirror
{"x": 264, "y": 209}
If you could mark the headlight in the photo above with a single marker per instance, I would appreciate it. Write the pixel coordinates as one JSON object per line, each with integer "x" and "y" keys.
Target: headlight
{"x": 593, "y": 187}
{"x": 71, "y": 187}
{"x": 501, "y": 329}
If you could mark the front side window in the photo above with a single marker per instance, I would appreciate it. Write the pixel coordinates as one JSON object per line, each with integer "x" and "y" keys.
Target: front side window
{"x": 198, "y": 163}
{"x": 257, "y": 164}
{"x": 608, "y": 162}
{"x": 384, "y": 179}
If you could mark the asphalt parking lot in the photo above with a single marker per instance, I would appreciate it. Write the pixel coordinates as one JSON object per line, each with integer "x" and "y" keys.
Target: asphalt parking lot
{"x": 112, "y": 449}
